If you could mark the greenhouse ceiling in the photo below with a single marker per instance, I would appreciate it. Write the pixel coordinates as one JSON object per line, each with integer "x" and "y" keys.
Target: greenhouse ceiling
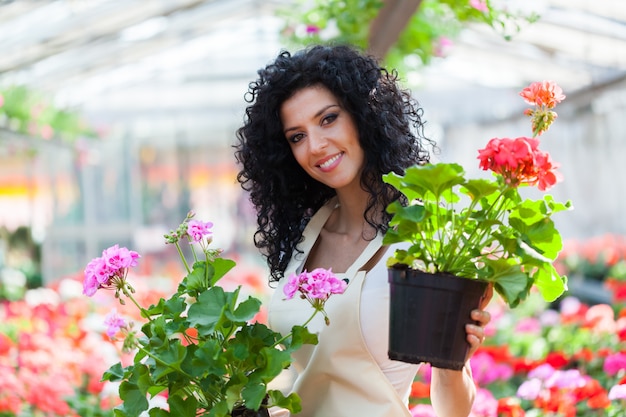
{"x": 121, "y": 57}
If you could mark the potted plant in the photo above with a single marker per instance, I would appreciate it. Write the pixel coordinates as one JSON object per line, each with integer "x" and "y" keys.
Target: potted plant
{"x": 200, "y": 348}
{"x": 475, "y": 232}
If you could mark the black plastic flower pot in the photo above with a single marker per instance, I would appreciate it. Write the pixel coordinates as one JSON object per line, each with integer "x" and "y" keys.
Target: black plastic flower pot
{"x": 245, "y": 412}
{"x": 428, "y": 314}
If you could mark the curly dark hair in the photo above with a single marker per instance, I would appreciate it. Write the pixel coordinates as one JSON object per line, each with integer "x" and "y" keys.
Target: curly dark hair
{"x": 390, "y": 129}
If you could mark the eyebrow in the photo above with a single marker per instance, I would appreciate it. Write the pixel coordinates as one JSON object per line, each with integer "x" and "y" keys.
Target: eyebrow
{"x": 319, "y": 113}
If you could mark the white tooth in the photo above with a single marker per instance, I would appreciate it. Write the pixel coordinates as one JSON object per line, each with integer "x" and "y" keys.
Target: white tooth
{"x": 330, "y": 161}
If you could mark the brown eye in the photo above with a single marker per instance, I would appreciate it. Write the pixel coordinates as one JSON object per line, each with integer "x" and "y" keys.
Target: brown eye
{"x": 329, "y": 118}
{"x": 295, "y": 138}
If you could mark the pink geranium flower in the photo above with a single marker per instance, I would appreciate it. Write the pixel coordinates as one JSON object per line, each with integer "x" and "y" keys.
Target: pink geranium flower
{"x": 114, "y": 323}
{"x": 117, "y": 258}
{"x": 543, "y": 94}
{"x": 317, "y": 284}
{"x": 315, "y": 287}
{"x": 197, "y": 229}
{"x": 109, "y": 270}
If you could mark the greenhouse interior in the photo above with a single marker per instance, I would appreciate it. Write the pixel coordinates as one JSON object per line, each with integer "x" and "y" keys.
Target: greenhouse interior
{"x": 119, "y": 118}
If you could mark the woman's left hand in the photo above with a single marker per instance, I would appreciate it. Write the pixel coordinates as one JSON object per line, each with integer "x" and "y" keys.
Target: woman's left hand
{"x": 476, "y": 331}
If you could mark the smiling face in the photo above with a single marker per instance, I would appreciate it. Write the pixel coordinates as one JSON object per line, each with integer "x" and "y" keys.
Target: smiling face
{"x": 323, "y": 137}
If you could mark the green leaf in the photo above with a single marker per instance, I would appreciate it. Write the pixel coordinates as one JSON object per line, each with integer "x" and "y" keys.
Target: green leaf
{"x": 207, "y": 360}
{"x": 114, "y": 373}
{"x": 170, "y": 359}
{"x": 208, "y": 312}
{"x": 253, "y": 394}
{"x": 537, "y": 230}
{"x": 221, "y": 267}
{"x": 198, "y": 278}
{"x": 396, "y": 180}
{"x": 509, "y": 280}
{"x": 478, "y": 189}
{"x": 172, "y": 307}
{"x": 245, "y": 311}
{"x": 180, "y": 407}
{"x": 550, "y": 284}
{"x": 434, "y": 178}
{"x": 300, "y": 336}
{"x": 133, "y": 393}
{"x": 293, "y": 402}
{"x": 220, "y": 409}
{"x": 159, "y": 412}
{"x": 413, "y": 213}
{"x": 270, "y": 363}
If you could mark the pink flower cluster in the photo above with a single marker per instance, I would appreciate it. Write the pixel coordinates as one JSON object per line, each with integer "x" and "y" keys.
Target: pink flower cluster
{"x": 197, "y": 229}
{"x": 519, "y": 161}
{"x": 546, "y": 377}
{"x": 318, "y": 284}
{"x": 113, "y": 263}
{"x": 544, "y": 95}
{"x": 51, "y": 360}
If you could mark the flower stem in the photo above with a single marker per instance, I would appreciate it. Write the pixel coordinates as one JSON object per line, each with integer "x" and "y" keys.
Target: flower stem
{"x": 127, "y": 293}
{"x": 282, "y": 339}
{"x": 182, "y": 257}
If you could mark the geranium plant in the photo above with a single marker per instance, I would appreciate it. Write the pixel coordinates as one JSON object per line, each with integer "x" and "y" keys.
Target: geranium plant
{"x": 483, "y": 228}
{"x": 201, "y": 347}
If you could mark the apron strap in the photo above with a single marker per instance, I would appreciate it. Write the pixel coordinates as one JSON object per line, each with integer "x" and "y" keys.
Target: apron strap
{"x": 310, "y": 233}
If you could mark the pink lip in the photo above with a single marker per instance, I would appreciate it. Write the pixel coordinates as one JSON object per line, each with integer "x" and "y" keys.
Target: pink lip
{"x": 332, "y": 166}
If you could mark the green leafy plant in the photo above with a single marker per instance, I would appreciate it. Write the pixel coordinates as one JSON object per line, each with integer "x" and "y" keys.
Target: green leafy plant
{"x": 483, "y": 228}
{"x": 25, "y": 111}
{"x": 200, "y": 347}
{"x": 433, "y": 23}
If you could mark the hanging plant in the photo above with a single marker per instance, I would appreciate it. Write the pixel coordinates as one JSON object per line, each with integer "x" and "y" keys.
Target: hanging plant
{"x": 27, "y": 112}
{"x": 432, "y": 27}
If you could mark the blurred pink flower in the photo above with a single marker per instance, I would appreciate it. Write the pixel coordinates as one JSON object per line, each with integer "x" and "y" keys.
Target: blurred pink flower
{"x": 528, "y": 325}
{"x": 530, "y": 389}
{"x": 614, "y": 363}
{"x": 480, "y": 5}
{"x": 46, "y": 132}
{"x": 442, "y": 46}
{"x": 312, "y": 29}
{"x": 114, "y": 323}
{"x": 485, "y": 404}
{"x": 542, "y": 372}
{"x": 423, "y": 410}
{"x": 617, "y": 392}
{"x": 485, "y": 369}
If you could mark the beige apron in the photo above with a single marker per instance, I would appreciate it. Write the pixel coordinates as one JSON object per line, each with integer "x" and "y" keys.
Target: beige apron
{"x": 337, "y": 377}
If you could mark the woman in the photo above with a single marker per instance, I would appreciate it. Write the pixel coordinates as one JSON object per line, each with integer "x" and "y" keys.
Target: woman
{"x": 323, "y": 126}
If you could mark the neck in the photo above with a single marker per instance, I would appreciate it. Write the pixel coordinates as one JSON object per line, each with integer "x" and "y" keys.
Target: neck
{"x": 348, "y": 217}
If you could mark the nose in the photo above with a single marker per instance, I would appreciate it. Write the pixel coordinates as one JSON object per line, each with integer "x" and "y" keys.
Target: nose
{"x": 317, "y": 142}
